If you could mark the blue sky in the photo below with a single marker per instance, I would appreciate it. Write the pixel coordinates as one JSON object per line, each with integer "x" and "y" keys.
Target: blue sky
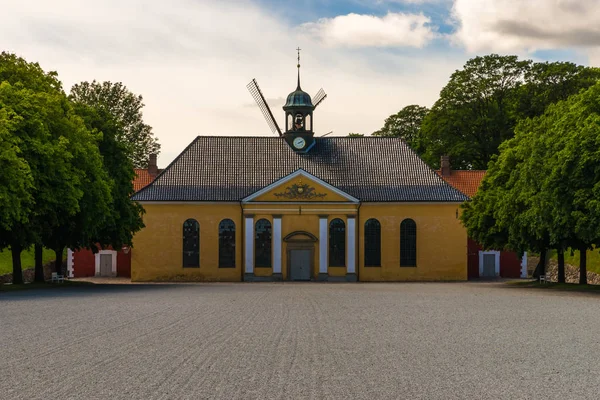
{"x": 191, "y": 59}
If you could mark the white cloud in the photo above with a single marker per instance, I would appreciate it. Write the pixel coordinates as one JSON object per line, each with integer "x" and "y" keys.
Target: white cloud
{"x": 355, "y": 30}
{"x": 517, "y": 25}
{"x": 191, "y": 61}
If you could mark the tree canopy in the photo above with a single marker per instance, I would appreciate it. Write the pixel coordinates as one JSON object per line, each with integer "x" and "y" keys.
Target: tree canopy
{"x": 543, "y": 189}
{"x": 126, "y": 108}
{"x": 66, "y": 178}
{"x": 481, "y": 105}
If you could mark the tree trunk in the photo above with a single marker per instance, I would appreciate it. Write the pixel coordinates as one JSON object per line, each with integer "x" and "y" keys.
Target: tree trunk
{"x": 561, "y": 266}
{"x": 58, "y": 264}
{"x": 583, "y": 266}
{"x": 16, "y": 261}
{"x": 540, "y": 269}
{"x": 39, "y": 263}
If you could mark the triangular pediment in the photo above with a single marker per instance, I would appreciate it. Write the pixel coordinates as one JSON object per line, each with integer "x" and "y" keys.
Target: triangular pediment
{"x": 300, "y": 186}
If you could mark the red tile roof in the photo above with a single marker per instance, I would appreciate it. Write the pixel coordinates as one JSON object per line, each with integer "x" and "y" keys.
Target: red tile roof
{"x": 465, "y": 181}
{"x": 142, "y": 178}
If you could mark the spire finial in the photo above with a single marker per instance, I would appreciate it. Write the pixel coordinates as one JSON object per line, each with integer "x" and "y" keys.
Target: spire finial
{"x": 298, "y": 49}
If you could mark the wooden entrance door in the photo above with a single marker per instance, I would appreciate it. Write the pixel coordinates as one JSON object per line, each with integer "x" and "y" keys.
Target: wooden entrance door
{"x": 489, "y": 265}
{"x": 106, "y": 265}
{"x": 300, "y": 264}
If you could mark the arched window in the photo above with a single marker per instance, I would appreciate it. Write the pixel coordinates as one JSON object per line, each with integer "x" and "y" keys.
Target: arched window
{"x": 408, "y": 243}
{"x": 262, "y": 243}
{"x": 337, "y": 243}
{"x": 227, "y": 244}
{"x": 191, "y": 244}
{"x": 372, "y": 243}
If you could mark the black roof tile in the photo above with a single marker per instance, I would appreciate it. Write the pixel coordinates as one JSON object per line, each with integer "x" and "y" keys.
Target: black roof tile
{"x": 225, "y": 168}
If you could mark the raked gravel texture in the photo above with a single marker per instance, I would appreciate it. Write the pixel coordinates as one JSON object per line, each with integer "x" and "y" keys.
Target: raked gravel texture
{"x": 295, "y": 341}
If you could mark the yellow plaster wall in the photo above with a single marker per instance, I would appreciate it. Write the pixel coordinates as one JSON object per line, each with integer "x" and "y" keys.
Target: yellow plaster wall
{"x": 158, "y": 254}
{"x": 293, "y": 220}
{"x": 441, "y": 243}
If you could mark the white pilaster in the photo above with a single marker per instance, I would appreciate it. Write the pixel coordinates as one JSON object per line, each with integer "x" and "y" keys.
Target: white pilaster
{"x": 323, "y": 239}
{"x": 277, "y": 245}
{"x": 524, "y": 265}
{"x": 70, "y": 271}
{"x": 249, "y": 244}
{"x": 351, "y": 249}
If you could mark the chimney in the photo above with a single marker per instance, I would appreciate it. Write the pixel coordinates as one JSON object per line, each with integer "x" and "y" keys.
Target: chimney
{"x": 445, "y": 165}
{"x": 152, "y": 167}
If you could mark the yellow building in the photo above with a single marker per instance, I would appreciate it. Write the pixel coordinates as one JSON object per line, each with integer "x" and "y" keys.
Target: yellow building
{"x": 296, "y": 207}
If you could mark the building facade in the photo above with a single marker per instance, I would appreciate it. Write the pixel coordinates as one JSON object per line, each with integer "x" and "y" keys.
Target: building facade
{"x": 252, "y": 208}
{"x": 299, "y": 207}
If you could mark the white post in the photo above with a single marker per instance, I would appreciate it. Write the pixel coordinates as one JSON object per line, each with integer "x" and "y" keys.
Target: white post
{"x": 323, "y": 239}
{"x": 70, "y": 272}
{"x": 276, "y": 244}
{"x": 524, "y": 265}
{"x": 249, "y": 244}
{"x": 351, "y": 249}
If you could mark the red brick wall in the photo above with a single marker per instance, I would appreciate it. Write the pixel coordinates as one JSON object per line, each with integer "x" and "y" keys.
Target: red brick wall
{"x": 472, "y": 259}
{"x": 124, "y": 264}
{"x": 510, "y": 265}
{"x": 84, "y": 263}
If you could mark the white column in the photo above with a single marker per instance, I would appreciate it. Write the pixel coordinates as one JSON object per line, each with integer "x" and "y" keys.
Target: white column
{"x": 249, "y": 244}
{"x": 524, "y": 265}
{"x": 323, "y": 238}
{"x": 277, "y": 244}
{"x": 351, "y": 249}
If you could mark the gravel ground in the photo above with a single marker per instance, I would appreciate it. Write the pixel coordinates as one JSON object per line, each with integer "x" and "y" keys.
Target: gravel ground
{"x": 284, "y": 341}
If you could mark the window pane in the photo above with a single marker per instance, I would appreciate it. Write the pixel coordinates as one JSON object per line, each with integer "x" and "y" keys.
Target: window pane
{"x": 372, "y": 243}
{"x": 262, "y": 243}
{"x": 337, "y": 243}
{"x": 191, "y": 243}
{"x": 227, "y": 244}
{"x": 408, "y": 243}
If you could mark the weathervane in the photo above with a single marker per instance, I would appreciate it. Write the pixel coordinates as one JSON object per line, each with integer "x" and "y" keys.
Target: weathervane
{"x": 298, "y": 49}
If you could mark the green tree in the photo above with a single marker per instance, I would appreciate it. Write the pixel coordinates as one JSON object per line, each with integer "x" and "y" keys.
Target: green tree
{"x": 547, "y": 83}
{"x": 475, "y": 111}
{"x": 406, "y": 124}
{"x": 123, "y": 217}
{"x": 481, "y": 105}
{"x": 16, "y": 182}
{"x": 543, "y": 189}
{"x": 126, "y": 108}
{"x": 354, "y": 134}
{"x": 38, "y": 118}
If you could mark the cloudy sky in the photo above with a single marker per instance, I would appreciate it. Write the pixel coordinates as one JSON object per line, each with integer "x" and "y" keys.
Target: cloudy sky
{"x": 191, "y": 59}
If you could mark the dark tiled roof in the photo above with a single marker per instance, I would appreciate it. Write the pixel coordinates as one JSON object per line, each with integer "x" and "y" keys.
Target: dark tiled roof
{"x": 372, "y": 169}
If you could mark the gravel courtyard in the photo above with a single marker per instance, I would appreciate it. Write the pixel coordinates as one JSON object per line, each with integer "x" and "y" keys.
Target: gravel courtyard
{"x": 292, "y": 341}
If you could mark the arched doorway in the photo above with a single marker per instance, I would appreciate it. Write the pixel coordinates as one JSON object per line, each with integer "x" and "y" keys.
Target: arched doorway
{"x": 300, "y": 255}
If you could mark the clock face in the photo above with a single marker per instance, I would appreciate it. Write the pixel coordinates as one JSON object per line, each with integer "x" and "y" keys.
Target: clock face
{"x": 299, "y": 143}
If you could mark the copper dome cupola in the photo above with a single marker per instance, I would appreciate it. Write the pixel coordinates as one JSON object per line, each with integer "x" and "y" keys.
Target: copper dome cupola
{"x": 298, "y": 108}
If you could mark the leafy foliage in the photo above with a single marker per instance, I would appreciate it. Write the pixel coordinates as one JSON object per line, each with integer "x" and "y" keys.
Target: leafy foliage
{"x": 126, "y": 109}
{"x": 543, "y": 189}
{"x": 406, "y": 124}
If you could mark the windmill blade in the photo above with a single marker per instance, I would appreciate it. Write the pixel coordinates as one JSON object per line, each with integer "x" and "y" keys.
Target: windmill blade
{"x": 319, "y": 97}
{"x": 264, "y": 107}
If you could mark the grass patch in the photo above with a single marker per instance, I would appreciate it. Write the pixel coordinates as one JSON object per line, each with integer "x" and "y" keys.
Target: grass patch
{"x": 568, "y": 287}
{"x": 27, "y": 259}
{"x": 46, "y": 285}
